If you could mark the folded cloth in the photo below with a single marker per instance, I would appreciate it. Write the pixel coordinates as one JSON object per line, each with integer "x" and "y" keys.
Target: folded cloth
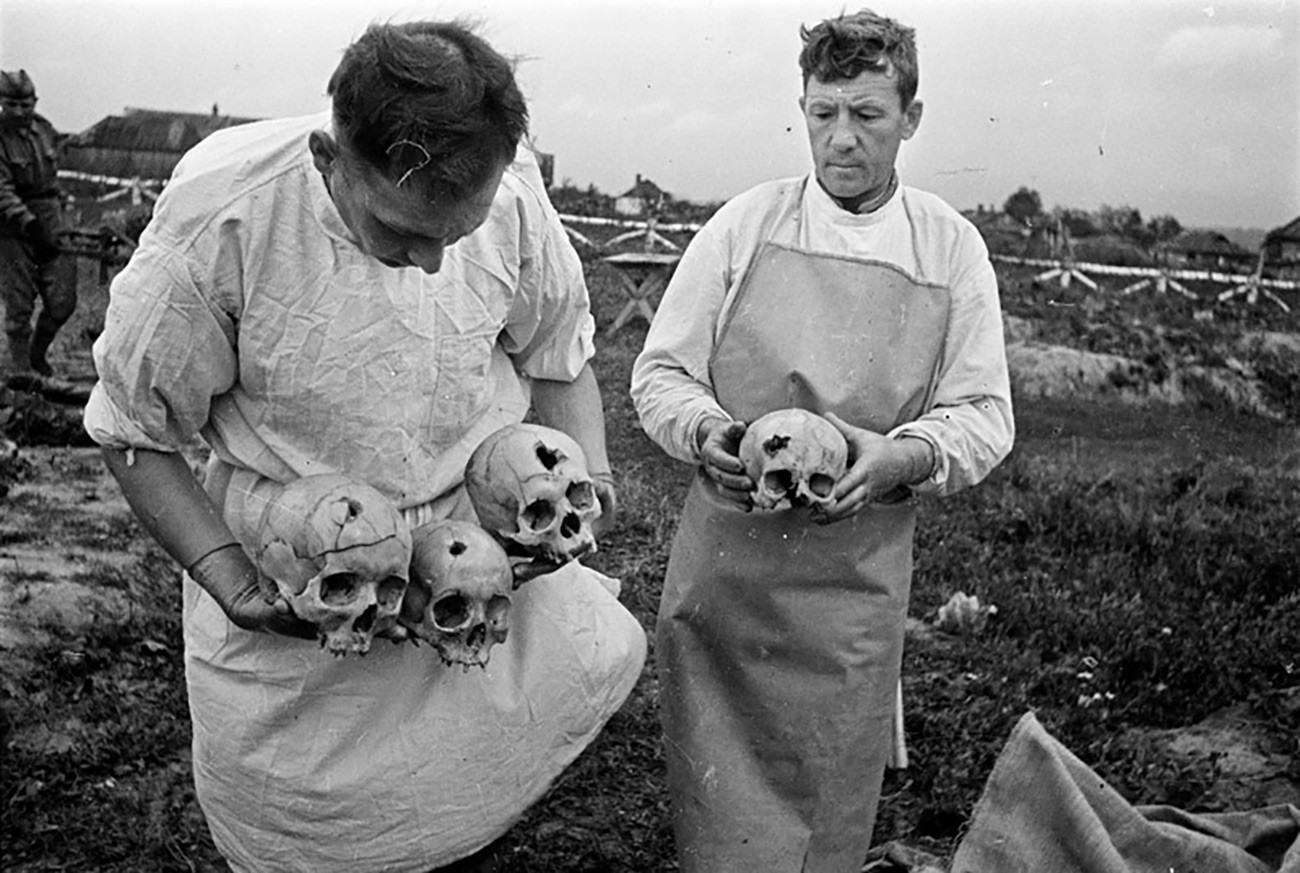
{"x": 1044, "y": 810}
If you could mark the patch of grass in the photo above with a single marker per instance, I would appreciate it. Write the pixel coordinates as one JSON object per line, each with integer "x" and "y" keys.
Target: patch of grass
{"x": 1143, "y": 561}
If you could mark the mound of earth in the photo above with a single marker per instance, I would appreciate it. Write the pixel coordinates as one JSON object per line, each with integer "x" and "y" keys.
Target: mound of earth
{"x": 1043, "y": 371}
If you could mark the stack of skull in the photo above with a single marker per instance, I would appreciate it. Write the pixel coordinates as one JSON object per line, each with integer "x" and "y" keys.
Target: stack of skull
{"x": 341, "y": 554}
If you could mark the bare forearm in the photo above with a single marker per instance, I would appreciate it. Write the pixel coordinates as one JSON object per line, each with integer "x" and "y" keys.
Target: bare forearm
{"x": 575, "y": 408}
{"x": 169, "y": 501}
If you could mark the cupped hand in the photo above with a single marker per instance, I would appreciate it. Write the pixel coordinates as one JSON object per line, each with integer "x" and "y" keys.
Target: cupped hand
{"x": 720, "y": 458}
{"x": 868, "y": 476}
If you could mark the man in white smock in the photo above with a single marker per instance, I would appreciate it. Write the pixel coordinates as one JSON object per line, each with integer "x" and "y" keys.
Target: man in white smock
{"x": 370, "y": 292}
{"x": 780, "y": 633}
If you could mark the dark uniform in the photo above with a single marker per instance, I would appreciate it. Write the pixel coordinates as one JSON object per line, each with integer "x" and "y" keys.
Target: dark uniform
{"x": 31, "y": 221}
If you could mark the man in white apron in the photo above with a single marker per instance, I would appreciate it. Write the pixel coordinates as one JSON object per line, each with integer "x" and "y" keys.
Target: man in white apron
{"x": 780, "y": 634}
{"x": 370, "y": 291}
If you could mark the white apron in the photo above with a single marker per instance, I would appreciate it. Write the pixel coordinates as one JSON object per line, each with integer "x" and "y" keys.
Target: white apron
{"x": 780, "y": 640}
{"x": 393, "y": 761}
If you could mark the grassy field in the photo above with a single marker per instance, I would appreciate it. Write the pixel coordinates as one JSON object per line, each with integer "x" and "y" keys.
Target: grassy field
{"x": 1143, "y": 560}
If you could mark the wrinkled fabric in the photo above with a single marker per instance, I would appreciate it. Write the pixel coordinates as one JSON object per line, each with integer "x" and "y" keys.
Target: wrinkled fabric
{"x": 970, "y": 425}
{"x": 249, "y": 318}
{"x": 1044, "y": 809}
{"x": 395, "y": 761}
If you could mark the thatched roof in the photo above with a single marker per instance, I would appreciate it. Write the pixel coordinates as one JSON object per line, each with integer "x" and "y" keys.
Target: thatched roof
{"x": 141, "y": 142}
{"x": 1203, "y": 242}
{"x": 154, "y": 130}
{"x": 1289, "y": 232}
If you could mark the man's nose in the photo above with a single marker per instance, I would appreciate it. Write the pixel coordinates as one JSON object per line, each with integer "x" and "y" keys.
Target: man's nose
{"x": 842, "y": 133}
{"x": 428, "y": 256}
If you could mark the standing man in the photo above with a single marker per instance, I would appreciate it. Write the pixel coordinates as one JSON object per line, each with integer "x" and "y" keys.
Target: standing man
{"x": 31, "y": 220}
{"x": 369, "y": 291}
{"x": 780, "y": 634}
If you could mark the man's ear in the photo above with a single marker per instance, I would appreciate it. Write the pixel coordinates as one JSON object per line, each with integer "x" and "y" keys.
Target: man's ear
{"x": 324, "y": 150}
{"x": 912, "y": 118}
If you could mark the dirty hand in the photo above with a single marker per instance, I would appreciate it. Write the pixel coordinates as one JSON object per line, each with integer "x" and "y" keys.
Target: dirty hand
{"x": 232, "y": 580}
{"x": 719, "y": 442}
{"x": 878, "y": 468}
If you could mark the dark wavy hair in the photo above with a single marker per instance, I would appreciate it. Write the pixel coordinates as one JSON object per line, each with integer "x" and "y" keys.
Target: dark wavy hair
{"x": 845, "y": 46}
{"x": 428, "y": 101}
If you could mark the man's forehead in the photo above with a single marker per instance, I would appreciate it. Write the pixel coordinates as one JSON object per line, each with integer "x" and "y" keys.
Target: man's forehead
{"x": 410, "y": 207}
{"x": 866, "y": 86}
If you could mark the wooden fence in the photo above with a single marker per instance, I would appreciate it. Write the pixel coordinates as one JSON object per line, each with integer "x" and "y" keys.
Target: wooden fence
{"x": 1253, "y": 286}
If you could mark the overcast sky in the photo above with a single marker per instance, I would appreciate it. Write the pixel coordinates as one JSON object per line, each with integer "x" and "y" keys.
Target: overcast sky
{"x": 1181, "y": 108}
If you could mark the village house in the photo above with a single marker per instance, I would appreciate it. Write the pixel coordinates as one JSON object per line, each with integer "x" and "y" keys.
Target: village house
{"x": 143, "y": 144}
{"x": 1205, "y": 250}
{"x": 1281, "y": 251}
{"x": 643, "y": 198}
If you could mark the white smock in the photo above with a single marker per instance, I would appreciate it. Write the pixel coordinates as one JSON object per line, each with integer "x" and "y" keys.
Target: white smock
{"x": 249, "y": 317}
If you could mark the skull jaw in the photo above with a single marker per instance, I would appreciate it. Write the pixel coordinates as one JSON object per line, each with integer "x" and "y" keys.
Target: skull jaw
{"x": 786, "y": 489}
{"x": 550, "y": 551}
{"x": 466, "y": 649}
{"x": 347, "y": 628}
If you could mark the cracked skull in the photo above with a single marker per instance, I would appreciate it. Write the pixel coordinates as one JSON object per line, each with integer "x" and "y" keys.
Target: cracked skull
{"x": 339, "y": 552}
{"x": 794, "y": 457}
{"x": 530, "y": 487}
{"x": 459, "y": 597}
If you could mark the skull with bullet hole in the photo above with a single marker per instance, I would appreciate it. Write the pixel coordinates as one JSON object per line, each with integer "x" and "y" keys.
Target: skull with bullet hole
{"x": 459, "y": 597}
{"x": 339, "y": 552}
{"x": 530, "y": 487}
{"x": 794, "y": 457}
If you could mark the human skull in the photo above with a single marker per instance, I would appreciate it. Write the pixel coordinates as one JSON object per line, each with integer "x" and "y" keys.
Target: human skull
{"x": 339, "y": 552}
{"x": 795, "y": 456}
{"x": 459, "y": 597}
{"x": 530, "y": 487}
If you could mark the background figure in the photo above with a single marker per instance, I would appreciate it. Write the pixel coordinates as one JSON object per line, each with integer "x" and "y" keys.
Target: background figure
{"x": 368, "y": 292}
{"x": 780, "y": 633}
{"x": 31, "y": 222}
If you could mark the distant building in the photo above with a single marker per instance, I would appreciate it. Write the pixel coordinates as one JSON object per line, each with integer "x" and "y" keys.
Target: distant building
{"x": 1205, "y": 250}
{"x": 1281, "y": 251}
{"x": 141, "y": 143}
{"x": 643, "y": 198}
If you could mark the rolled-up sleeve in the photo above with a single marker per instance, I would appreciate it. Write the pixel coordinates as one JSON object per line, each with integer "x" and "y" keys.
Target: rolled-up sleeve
{"x": 671, "y": 386}
{"x": 164, "y": 353}
{"x": 970, "y": 425}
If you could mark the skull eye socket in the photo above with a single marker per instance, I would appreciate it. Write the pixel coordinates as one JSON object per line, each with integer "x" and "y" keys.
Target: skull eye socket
{"x": 538, "y": 515}
{"x": 581, "y": 495}
{"x": 390, "y": 591}
{"x": 778, "y": 481}
{"x": 571, "y": 525}
{"x": 340, "y": 588}
{"x": 821, "y": 484}
{"x": 451, "y": 612}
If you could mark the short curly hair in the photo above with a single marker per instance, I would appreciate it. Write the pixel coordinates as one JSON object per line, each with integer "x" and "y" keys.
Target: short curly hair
{"x": 431, "y": 101}
{"x": 847, "y": 45}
